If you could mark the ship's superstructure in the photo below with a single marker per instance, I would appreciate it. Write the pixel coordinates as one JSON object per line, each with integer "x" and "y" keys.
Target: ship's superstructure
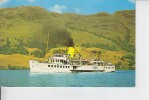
{"x": 63, "y": 63}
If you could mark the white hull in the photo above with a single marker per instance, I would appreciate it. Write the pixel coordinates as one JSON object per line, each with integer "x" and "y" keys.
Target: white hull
{"x": 37, "y": 67}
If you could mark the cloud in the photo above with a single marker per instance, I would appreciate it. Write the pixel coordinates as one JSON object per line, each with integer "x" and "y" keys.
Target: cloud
{"x": 132, "y": 1}
{"x": 57, "y": 8}
{"x": 77, "y": 10}
{"x": 2, "y": 2}
{"x": 31, "y": 1}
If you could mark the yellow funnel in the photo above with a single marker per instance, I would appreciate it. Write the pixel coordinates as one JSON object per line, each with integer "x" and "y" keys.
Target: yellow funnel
{"x": 71, "y": 52}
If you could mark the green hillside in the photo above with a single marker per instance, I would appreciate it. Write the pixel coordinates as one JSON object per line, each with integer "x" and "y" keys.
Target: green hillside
{"x": 30, "y": 30}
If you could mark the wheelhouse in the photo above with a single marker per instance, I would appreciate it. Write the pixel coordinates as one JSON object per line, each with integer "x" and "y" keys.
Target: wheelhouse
{"x": 58, "y": 59}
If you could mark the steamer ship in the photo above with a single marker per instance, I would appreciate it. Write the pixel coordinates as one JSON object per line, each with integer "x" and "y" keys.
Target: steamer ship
{"x": 64, "y": 63}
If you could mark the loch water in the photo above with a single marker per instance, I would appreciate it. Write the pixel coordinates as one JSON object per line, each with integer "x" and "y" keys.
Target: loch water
{"x": 23, "y": 78}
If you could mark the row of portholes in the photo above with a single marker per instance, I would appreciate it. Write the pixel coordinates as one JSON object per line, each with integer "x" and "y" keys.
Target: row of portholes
{"x": 57, "y": 66}
{"x": 109, "y": 67}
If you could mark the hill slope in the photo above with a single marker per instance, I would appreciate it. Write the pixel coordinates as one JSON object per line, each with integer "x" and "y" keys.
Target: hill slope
{"x": 25, "y": 28}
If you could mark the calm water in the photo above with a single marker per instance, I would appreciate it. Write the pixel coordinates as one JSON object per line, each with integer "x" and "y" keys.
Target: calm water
{"x": 25, "y": 78}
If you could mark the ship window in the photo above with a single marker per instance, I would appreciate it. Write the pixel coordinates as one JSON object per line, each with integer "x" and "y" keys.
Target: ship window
{"x": 60, "y": 66}
{"x": 63, "y": 66}
{"x": 51, "y": 65}
{"x": 57, "y": 66}
{"x": 54, "y": 65}
{"x": 66, "y": 66}
{"x": 48, "y": 65}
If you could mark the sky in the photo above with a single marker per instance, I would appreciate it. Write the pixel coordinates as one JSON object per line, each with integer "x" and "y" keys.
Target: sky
{"x": 74, "y": 6}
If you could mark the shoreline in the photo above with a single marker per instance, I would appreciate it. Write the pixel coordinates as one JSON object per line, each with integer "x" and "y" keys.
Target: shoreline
{"x": 29, "y": 69}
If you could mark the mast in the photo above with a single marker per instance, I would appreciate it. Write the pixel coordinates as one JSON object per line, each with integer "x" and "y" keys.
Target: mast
{"x": 47, "y": 44}
{"x": 99, "y": 52}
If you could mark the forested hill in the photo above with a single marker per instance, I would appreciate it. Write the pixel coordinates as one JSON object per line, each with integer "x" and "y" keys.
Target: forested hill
{"x": 25, "y": 28}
